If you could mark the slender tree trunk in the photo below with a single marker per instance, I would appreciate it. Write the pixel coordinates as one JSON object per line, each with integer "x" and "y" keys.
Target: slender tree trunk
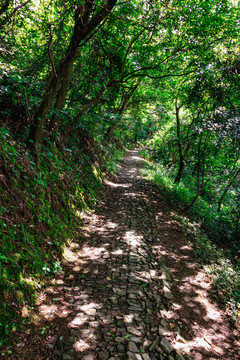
{"x": 202, "y": 185}
{"x": 121, "y": 111}
{"x": 180, "y": 170}
{"x": 179, "y": 145}
{"x": 196, "y": 196}
{"x": 78, "y": 116}
{"x": 226, "y": 189}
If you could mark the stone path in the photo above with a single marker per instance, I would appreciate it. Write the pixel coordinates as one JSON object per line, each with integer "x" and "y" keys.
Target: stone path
{"x": 116, "y": 297}
{"x": 125, "y": 286}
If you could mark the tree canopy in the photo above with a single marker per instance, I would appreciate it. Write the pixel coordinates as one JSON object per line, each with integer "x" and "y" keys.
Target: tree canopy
{"x": 63, "y": 57}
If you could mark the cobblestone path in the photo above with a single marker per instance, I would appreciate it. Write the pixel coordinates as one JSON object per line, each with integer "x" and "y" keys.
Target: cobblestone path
{"x": 118, "y": 310}
{"x": 113, "y": 302}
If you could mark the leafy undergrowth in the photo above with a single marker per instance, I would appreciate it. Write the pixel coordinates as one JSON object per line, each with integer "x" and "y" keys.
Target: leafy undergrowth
{"x": 40, "y": 211}
{"x": 221, "y": 261}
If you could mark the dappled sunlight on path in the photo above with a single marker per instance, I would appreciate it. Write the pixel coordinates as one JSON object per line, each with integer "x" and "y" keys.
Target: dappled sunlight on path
{"x": 130, "y": 288}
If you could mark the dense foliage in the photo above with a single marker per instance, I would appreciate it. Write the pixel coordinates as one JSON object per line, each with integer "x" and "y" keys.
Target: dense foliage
{"x": 162, "y": 73}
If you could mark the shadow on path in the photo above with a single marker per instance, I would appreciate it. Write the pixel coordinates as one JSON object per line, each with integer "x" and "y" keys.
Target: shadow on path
{"x": 116, "y": 299}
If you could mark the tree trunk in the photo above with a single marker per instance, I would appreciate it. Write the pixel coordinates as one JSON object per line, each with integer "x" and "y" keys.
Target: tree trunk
{"x": 179, "y": 145}
{"x": 37, "y": 128}
{"x": 60, "y": 100}
{"x": 180, "y": 170}
{"x": 201, "y": 186}
{"x": 85, "y": 23}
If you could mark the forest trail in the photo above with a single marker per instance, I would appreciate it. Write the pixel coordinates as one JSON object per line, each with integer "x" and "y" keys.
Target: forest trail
{"x": 131, "y": 288}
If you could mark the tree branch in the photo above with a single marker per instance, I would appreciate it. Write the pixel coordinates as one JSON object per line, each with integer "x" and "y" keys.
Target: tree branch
{"x": 128, "y": 49}
{"x": 13, "y": 12}
{"x": 50, "y": 51}
{"x": 118, "y": 17}
{"x": 159, "y": 77}
{"x": 153, "y": 67}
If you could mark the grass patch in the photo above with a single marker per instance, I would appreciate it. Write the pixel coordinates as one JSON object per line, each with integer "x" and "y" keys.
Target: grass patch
{"x": 113, "y": 163}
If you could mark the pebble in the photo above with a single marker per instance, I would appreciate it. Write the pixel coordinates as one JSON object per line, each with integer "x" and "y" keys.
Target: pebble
{"x": 179, "y": 356}
{"x": 136, "y": 340}
{"x": 122, "y": 292}
{"x": 132, "y": 347}
{"x": 146, "y": 343}
{"x": 167, "y": 284}
{"x": 157, "y": 299}
{"x": 119, "y": 339}
{"x": 107, "y": 321}
{"x": 136, "y": 308}
{"x": 134, "y": 331}
{"x": 133, "y": 356}
{"x": 167, "y": 293}
{"x": 146, "y": 357}
{"x": 132, "y": 296}
{"x": 72, "y": 339}
{"x": 166, "y": 346}
{"x": 114, "y": 300}
{"x": 66, "y": 357}
{"x": 121, "y": 348}
{"x": 163, "y": 331}
{"x": 103, "y": 355}
{"x": 154, "y": 344}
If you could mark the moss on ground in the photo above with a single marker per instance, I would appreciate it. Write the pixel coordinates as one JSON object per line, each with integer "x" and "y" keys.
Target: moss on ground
{"x": 40, "y": 211}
